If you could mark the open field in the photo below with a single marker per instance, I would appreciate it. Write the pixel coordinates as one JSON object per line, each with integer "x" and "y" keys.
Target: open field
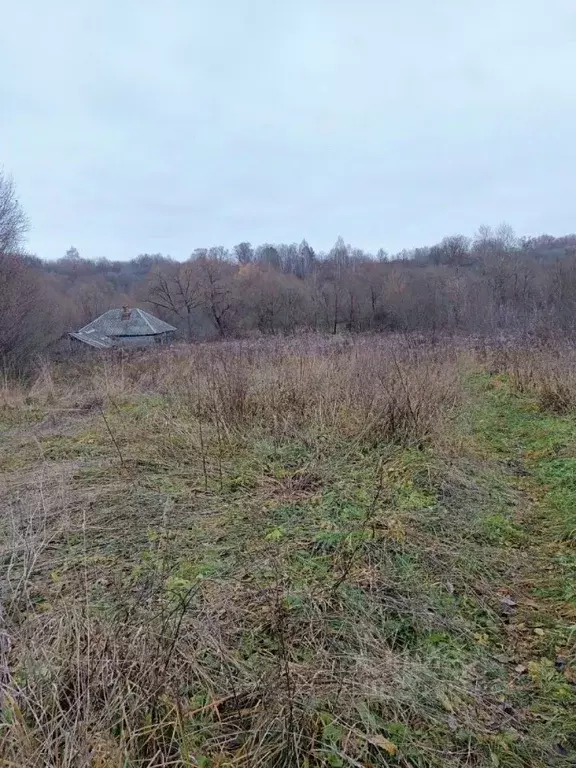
{"x": 303, "y": 552}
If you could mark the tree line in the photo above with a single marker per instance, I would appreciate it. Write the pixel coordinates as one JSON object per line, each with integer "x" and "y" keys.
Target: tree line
{"x": 493, "y": 282}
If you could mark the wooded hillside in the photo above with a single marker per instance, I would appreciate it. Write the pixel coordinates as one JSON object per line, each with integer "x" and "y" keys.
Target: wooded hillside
{"x": 493, "y": 282}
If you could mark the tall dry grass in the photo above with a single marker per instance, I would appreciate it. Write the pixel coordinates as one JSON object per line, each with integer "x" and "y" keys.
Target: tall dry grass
{"x": 367, "y": 388}
{"x": 547, "y": 373}
{"x": 156, "y": 678}
{"x": 138, "y": 666}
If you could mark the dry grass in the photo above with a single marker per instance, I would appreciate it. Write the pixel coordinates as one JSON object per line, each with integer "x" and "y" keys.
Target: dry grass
{"x": 546, "y": 373}
{"x": 367, "y": 388}
{"x": 258, "y": 555}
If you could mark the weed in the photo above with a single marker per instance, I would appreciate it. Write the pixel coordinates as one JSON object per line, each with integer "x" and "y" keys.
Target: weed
{"x": 288, "y": 554}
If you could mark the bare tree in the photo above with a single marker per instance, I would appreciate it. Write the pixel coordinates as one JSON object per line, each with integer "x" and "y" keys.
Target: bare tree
{"x": 218, "y": 253}
{"x": 270, "y": 300}
{"x": 93, "y": 297}
{"x": 306, "y": 260}
{"x": 495, "y": 281}
{"x": 268, "y": 254}
{"x": 456, "y": 249}
{"x": 382, "y": 255}
{"x": 21, "y": 309}
{"x": 202, "y": 283}
{"x": 175, "y": 288}
{"x": 244, "y": 253}
{"x": 215, "y": 289}
{"x": 340, "y": 254}
{"x": 13, "y": 221}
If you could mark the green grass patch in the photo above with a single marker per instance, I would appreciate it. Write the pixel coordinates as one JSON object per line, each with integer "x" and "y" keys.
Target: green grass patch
{"x": 373, "y": 599}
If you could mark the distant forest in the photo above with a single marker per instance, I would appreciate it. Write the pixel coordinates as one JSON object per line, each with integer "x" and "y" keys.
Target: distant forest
{"x": 494, "y": 282}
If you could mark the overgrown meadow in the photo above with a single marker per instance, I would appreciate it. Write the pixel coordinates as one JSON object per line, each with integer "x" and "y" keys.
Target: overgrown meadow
{"x": 290, "y": 552}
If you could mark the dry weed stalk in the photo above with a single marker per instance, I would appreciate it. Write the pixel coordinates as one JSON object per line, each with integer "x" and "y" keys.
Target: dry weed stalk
{"x": 158, "y": 664}
{"x": 547, "y": 373}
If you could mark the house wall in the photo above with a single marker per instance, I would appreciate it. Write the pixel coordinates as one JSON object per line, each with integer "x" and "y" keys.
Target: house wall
{"x": 135, "y": 341}
{"x": 143, "y": 341}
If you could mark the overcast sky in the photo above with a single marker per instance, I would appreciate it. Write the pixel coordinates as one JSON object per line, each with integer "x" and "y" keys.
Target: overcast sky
{"x": 137, "y": 126}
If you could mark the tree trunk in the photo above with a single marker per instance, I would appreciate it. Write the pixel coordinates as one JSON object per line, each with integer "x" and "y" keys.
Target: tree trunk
{"x": 219, "y": 324}
{"x": 335, "y": 326}
{"x": 189, "y": 322}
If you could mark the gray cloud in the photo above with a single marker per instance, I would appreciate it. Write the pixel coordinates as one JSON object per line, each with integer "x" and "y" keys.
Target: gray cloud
{"x": 144, "y": 126}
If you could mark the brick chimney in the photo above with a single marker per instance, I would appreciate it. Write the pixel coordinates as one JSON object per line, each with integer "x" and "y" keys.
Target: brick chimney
{"x": 125, "y": 313}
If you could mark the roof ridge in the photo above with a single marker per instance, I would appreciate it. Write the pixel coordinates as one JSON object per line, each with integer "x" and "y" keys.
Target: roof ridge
{"x": 143, "y": 314}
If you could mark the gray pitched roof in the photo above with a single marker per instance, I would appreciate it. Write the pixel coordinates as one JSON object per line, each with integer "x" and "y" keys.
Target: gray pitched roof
{"x": 137, "y": 322}
{"x": 93, "y": 340}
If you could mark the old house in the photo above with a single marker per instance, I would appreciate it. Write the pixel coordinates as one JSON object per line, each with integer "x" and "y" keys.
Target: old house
{"x": 124, "y": 328}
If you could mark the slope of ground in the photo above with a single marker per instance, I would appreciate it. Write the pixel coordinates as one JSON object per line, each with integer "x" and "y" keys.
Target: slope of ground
{"x": 325, "y": 557}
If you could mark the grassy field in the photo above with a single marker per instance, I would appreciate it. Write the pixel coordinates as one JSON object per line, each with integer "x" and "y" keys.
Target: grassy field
{"x": 304, "y": 552}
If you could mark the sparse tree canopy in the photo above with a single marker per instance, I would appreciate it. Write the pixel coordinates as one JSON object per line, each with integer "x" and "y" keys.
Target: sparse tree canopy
{"x": 492, "y": 283}
{"x": 244, "y": 253}
{"x": 175, "y": 289}
{"x": 13, "y": 221}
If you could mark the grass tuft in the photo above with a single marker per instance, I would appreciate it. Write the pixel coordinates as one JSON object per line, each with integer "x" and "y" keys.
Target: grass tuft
{"x": 293, "y": 553}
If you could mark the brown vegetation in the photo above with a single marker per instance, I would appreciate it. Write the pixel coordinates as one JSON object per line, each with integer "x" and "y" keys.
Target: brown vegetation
{"x": 303, "y": 547}
{"x": 494, "y": 284}
{"x": 274, "y": 553}
{"x": 547, "y": 372}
